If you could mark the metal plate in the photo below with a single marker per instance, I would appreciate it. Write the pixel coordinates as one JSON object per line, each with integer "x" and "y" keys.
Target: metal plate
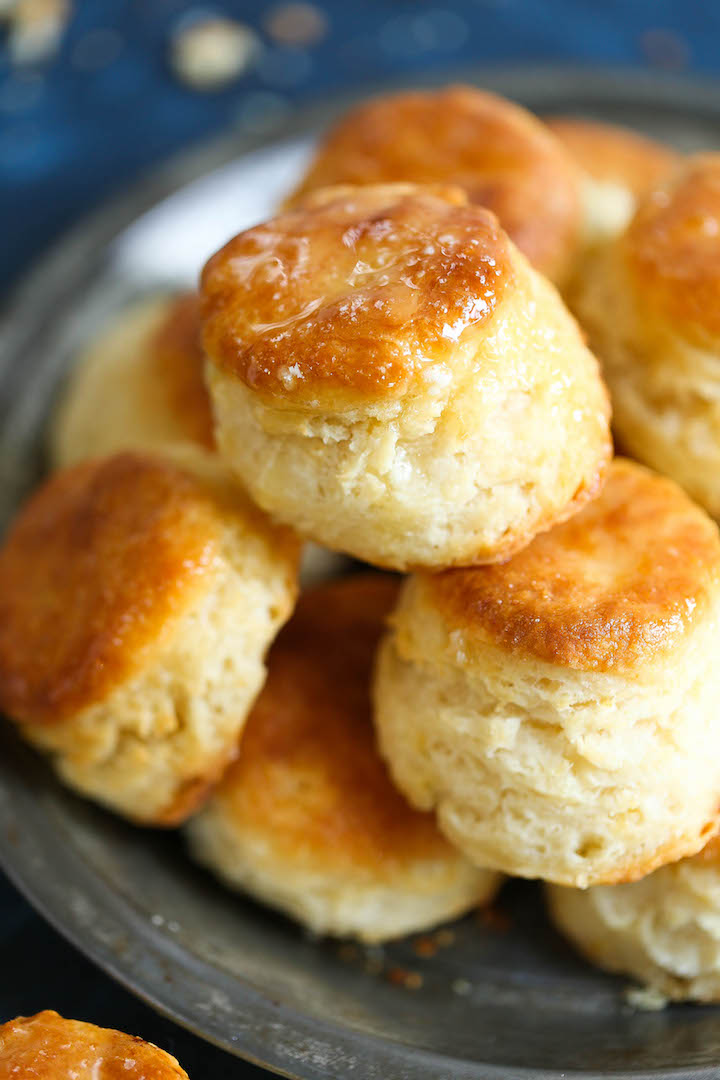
{"x": 232, "y": 972}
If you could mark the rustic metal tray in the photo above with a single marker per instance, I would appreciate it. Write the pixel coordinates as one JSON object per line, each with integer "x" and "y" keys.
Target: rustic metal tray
{"x": 507, "y": 999}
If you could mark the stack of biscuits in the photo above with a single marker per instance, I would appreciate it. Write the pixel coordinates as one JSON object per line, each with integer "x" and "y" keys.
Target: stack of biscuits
{"x": 522, "y": 680}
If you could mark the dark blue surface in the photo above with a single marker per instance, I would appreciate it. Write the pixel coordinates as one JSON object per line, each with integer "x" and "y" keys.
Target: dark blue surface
{"x": 71, "y": 134}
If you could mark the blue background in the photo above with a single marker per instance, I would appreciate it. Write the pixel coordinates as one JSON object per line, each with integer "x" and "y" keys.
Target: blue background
{"x": 107, "y": 106}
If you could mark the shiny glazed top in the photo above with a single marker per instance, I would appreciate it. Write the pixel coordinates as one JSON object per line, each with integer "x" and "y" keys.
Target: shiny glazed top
{"x": 47, "y": 1047}
{"x": 356, "y": 294}
{"x": 502, "y": 156}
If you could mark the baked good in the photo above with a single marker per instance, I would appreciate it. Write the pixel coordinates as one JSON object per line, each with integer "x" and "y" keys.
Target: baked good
{"x": 391, "y": 377}
{"x": 499, "y": 153}
{"x": 664, "y": 930}
{"x": 306, "y": 819}
{"x": 649, "y": 303}
{"x": 559, "y": 711}
{"x": 138, "y": 596}
{"x": 138, "y": 385}
{"x": 619, "y": 167}
{"x": 47, "y": 1047}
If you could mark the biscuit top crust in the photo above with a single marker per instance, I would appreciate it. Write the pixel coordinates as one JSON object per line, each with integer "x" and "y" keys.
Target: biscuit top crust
{"x": 672, "y": 250}
{"x": 354, "y": 295}
{"x": 614, "y": 154}
{"x": 500, "y": 154}
{"x": 178, "y": 361}
{"x": 613, "y": 588}
{"x": 93, "y": 570}
{"x": 308, "y": 774}
{"x": 46, "y": 1047}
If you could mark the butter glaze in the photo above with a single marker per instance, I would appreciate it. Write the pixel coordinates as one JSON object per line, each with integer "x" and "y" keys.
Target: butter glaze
{"x": 360, "y": 293}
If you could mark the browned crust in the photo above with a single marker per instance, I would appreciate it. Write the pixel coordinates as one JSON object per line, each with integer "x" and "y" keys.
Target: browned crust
{"x": 615, "y": 586}
{"x": 308, "y": 776}
{"x": 178, "y": 361}
{"x": 191, "y": 795}
{"x": 672, "y": 250}
{"x": 710, "y": 854}
{"x": 96, "y": 564}
{"x": 503, "y": 157}
{"x": 355, "y": 296}
{"x": 614, "y": 154}
{"x": 676, "y": 849}
{"x": 47, "y": 1047}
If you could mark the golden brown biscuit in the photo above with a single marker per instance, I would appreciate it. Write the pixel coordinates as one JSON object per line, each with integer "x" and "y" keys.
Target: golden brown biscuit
{"x": 47, "y": 1047}
{"x": 500, "y": 154}
{"x": 650, "y": 306}
{"x": 391, "y": 377}
{"x": 137, "y": 598}
{"x": 307, "y": 819}
{"x": 664, "y": 930}
{"x": 620, "y": 166}
{"x": 559, "y": 711}
{"x": 139, "y": 385}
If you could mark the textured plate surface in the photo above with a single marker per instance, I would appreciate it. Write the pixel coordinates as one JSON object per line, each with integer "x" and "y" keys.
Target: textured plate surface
{"x": 506, "y": 1000}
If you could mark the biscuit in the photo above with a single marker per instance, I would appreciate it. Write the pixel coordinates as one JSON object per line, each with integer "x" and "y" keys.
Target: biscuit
{"x": 307, "y": 819}
{"x": 660, "y": 347}
{"x": 139, "y": 385}
{"x": 500, "y": 154}
{"x": 47, "y": 1047}
{"x": 664, "y": 930}
{"x": 391, "y": 377}
{"x": 619, "y": 167}
{"x": 559, "y": 711}
{"x": 138, "y": 596}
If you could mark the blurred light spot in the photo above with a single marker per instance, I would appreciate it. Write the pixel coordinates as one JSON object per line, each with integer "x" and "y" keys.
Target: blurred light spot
{"x": 284, "y": 67}
{"x": 262, "y": 111}
{"x": 21, "y": 91}
{"x": 208, "y": 52}
{"x": 296, "y": 24}
{"x": 413, "y": 35}
{"x": 665, "y": 49}
{"x": 97, "y": 49}
{"x": 35, "y": 28}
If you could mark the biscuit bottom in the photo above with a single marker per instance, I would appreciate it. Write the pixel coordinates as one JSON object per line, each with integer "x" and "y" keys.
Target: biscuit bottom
{"x": 663, "y": 930}
{"x": 341, "y": 903}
